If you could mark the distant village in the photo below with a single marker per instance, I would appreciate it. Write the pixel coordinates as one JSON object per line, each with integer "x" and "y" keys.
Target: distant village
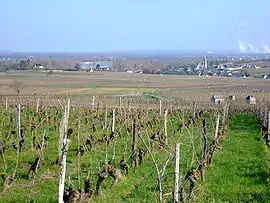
{"x": 226, "y": 69}
{"x": 207, "y": 66}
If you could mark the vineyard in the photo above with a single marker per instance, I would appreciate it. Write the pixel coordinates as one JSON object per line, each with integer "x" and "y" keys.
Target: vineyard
{"x": 112, "y": 151}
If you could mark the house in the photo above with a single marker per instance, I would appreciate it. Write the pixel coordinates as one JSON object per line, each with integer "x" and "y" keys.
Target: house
{"x": 232, "y": 98}
{"x": 94, "y": 65}
{"x": 217, "y": 99}
{"x": 38, "y": 66}
{"x": 267, "y": 76}
{"x": 229, "y": 74}
{"x": 251, "y": 100}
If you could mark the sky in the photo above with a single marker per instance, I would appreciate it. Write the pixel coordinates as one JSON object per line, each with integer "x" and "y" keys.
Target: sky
{"x": 131, "y": 25}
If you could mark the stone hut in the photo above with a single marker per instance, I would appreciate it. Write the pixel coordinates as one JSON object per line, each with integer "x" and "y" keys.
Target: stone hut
{"x": 232, "y": 97}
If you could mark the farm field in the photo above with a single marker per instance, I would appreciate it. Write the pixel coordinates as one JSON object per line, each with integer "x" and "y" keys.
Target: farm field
{"x": 100, "y": 84}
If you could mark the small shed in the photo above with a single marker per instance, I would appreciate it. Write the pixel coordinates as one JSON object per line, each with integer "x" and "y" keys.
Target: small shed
{"x": 217, "y": 99}
{"x": 251, "y": 100}
{"x": 232, "y": 98}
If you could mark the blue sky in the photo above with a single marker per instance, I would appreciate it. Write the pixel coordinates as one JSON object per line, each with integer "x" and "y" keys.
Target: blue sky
{"x": 114, "y": 25}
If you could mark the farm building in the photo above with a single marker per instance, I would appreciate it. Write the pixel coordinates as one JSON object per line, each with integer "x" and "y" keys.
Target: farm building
{"x": 217, "y": 99}
{"x": 96, "y": 65}
{"x": 267, "y": 76}
{"x": 251, "y": 100}
{"x": 38, "y": 66}
{"x": 232, "y": 98}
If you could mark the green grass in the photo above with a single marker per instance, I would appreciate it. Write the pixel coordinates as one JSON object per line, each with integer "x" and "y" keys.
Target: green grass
{"x": 240, "y": 172}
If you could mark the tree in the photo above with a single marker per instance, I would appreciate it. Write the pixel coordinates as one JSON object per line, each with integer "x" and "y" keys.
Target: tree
{"x": 98, "y": 66}
{"x": 23, "y": 65}
{"x": 77, "y": 66}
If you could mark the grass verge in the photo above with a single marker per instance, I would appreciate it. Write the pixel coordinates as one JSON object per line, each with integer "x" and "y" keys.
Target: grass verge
{"x": 240, "y": 171}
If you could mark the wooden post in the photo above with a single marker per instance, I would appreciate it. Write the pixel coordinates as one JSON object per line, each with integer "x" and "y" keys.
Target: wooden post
{"x": 128, "y": 103}
{"x": 6, "y": 103}
{"x": 183, "y": 118}
{"x": 46, "y": 104}
{"x": 165, "y": 126}
{"x": 160, "y": 107}
{"x": 134, "y": 144}
{"x": 63, "y": 127}
{"x": 114, "y": 140}
{"x": 216, "y": 131}
{"x": 68, "y": 108}
{"x": 268, "y": 123}
{"x": 106, "y": 117}
{"x": 63, "y": 168}
{"x": 204, "y": 140}
{"x": 106, "y": 154}
{"x": 120, "y": 103}
{"x": 78, "y": 147}
{"x": 19, "y": 120}
{"x": 268, "y": 133}
{"x": 265, "y": 117}
{"x": 93, "y": 102}
{"x": 98, "y": 106}
{"x": 194, "y": 109}
{"x": 61, "y": 133}
{"x": 113, "y": 120}
{"x": 176, "y": 173}
{"x": 224, "y": 117}
{"x": 37, "y": 105}
{"x": 64, "y": 149}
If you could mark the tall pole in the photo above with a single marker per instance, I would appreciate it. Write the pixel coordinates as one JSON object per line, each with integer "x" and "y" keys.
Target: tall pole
{"x": 113, "y": 120}
{"x": 216, "y": 131}
{"x": 176, "y": 173}
{"x": 19, "y": 120}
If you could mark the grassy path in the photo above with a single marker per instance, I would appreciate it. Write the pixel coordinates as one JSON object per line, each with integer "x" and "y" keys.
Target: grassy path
{"x": 240, "y": 172}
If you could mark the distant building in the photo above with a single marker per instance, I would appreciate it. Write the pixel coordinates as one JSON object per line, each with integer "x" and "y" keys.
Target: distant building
{"x": 267, "y": 76}
{"x": 85, "y": 65}
{"x": 217, "y": 99}
{"x": 95, "y": 65}
{"x": 251, "y": 100}
{"x": 38, "y": 66}
{"x": 229, "y": 74}
{"x": 235, "y": 68}
{"x": 232, "y": 98}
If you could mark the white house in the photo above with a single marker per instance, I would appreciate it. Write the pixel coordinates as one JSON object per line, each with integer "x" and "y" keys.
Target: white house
{"x": 217, "y": 99}
{"x": 251, "y": 100}
{"x": 38, "y": 66}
